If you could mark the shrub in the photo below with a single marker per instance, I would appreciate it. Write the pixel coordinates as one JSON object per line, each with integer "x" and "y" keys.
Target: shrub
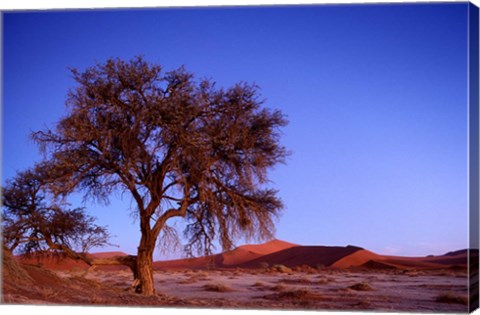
{"x": 281, "y": 268}
{"x": 259, "y": 284}
{"x": 297, "y": 294}
{"x": 216, "y": 287}
{"x": 188, "y": 280}
{"x": 322, "y": 280}
{"x": 363, "y": 286}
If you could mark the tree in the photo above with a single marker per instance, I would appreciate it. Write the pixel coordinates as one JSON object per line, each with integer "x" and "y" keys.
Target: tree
{"x": 34, "y": 222}
{"x": 181, "y": 148}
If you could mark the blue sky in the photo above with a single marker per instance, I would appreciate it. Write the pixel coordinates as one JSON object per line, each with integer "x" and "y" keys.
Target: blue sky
{"x": 376, "y": 97}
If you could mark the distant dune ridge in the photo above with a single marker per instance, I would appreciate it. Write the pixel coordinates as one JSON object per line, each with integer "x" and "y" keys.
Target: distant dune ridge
{"x": 246, "y": 253}
{"x": 277, "y": 252}
{"x": 65, "y": 263}
{"x": 233, "y": 258}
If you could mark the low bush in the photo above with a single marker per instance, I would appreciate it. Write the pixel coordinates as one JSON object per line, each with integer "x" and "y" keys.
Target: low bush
{"x": 363, "y": 286}
{"x": 217, "y": 287}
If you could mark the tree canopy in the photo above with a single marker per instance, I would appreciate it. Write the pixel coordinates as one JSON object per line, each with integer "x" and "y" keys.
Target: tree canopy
{"x": 33, "y": 221}
{"x": 180, "y": 147}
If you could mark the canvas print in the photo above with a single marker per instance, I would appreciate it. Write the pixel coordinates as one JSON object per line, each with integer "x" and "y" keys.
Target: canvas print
{"x": 300, "y": 157}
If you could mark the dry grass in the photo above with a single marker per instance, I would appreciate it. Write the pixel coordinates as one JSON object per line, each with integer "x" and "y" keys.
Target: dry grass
{"x": 217, "y": 287}
{"x": 295, "y": 294}
{"x": 49, "y": 294}
{"x": 189, "y": 280}
{"x": 305, "y": 269}
{"x": 259, "y": 284}
{"x": 78, "y": 280}
{"x": 199, "y": 276}
{"x": 28, "y": 284}
{"x": 304, "y": 280}
{"x": 238, "y": 272}
{"x": 452, "y": 298}
{"x": 281, "y": 269}
{"x": 322, "y": 280}
{"x": 13, "y": 270}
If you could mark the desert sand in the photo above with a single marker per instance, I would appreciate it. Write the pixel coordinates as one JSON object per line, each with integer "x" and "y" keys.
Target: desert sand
{"x": 274, "y": 275}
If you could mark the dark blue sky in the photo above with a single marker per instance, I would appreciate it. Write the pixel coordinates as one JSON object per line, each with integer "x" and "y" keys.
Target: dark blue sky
{"x": 376, "y": 96}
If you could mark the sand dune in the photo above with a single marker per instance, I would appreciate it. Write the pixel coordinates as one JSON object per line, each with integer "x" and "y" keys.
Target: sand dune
{"x": 246, "y": 253}
{"x": 304, "y": 255}
{"x": 107, "y": 254}
{"x": 379, "y": 265}
{"x": 367, "y": 259}
{"x": 277, "y": 252}
{"x": 393, "y": 290}
{"x": 51, "y": 262}
{"x": 231, "y": 258}
{"x": 356, "y": 259}
{"x": 65, "y": 263}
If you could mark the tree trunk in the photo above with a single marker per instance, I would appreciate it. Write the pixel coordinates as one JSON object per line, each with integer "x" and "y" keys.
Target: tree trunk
{"x": 145, "y": 265}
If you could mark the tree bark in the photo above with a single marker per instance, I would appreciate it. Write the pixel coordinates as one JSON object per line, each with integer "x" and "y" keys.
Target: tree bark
{"x": 145, "y": 265}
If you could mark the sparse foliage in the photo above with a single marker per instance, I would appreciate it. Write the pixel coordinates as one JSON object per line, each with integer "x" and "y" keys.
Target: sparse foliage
{"x": 33, "y": 221}
{"x": 181, "y": 148}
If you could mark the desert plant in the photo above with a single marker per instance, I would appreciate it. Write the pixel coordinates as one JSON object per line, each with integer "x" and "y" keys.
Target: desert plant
{"x": 302, "y": 294}
{"x": 259, "y": 284}
{"x": 217, "y": 287}
{"x": 189, "y": 280}
{"x": 281, "y": 269}
{"x": 33, "y": 221}
{"x": 179, "y": 148}
{"x": 362, "y": 286}
{"x": 322, "y": 280}
{"x": 306, "y": 269}
{"x": 11, "y": 269}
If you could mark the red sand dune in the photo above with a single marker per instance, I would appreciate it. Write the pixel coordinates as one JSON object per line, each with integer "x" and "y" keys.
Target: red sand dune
{"x": 278, "y": 252}
{"x": 64, "y": 263}
{"x": 246, "y": 253}
{"x": 189, "y": 263}
{"x": 367, "y": 259}
{"x": 378, "y": 264}
{"x": 356, "y": 259}
{"x": 52, "y": 263}
{"x": 458, "y": 259}
{"x": 107, "y": 254}
{"x": 304, "y": 255}
{"x": 231, "y": 258}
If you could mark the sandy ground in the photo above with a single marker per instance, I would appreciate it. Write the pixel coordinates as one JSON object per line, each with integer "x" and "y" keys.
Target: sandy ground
{"x": 323, "y": 290}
